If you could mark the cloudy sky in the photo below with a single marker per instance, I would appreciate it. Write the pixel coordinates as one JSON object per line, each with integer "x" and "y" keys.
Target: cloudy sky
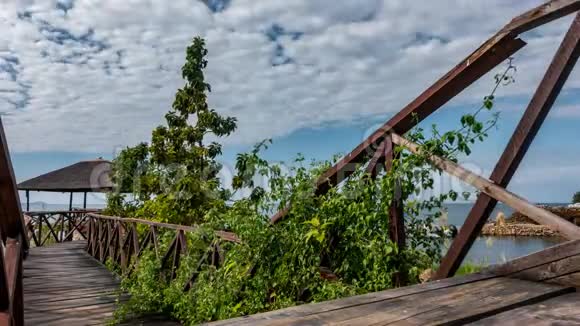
{"x": 80, "y": 79}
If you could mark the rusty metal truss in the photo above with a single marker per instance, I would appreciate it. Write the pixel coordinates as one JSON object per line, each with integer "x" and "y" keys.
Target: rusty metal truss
{"x": 377, "y": 150}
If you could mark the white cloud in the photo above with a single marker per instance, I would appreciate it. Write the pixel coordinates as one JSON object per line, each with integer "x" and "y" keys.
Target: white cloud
{"x": 103, "y": 73}
{"x": 567, "y": 111}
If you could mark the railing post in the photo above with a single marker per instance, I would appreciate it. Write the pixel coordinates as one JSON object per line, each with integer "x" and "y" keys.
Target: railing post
{"x": 11, "y": 301}
{"x": 180, "y": 246}
{"x": 95, "y": 241}
{"x": 40, "y": 230}
{"x": 155, "y": 240}
{"x": 72, "y": 220}
{"x": 62, "y": 232}
{"x": 102, "y": 236}
{"x": 135, "y": 242}
{"x": 114, "y": 251}
{"x": 88, "y": 247}
{"x": 396, "y": 210}
{"x": 106, "y": 242}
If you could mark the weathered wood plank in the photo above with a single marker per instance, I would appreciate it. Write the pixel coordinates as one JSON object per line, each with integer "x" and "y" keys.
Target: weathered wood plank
{"x": 559, "y": 264}
{"x": 562, "y": 310}
{"x": 63, "y": 285}
{"x": 459, "y": 303}
{"x": 546, "y": 256}
{"x": 572, "y": 279}
{"x": 552, "y": 270}
{"x": 309, "y": 309}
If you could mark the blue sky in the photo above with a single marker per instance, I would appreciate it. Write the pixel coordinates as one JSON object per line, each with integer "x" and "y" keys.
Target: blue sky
{"x": 81, "y": 79}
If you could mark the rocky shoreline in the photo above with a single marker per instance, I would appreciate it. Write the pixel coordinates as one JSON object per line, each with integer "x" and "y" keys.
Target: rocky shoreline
{"x": 518, "y": 229}
{"x": 520, "y": 225}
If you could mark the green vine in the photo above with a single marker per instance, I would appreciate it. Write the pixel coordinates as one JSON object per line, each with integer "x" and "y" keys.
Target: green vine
{"x": 328, "y": 246}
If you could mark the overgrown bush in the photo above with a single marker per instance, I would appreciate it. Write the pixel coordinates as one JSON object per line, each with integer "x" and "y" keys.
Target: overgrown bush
{"x": 328, "y": 246}
{"x": 174, "y": 178}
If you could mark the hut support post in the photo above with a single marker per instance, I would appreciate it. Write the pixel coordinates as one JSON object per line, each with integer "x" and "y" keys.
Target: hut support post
{"x": 85, "y": 201}
{"x": 70, "y": 217}
{"x": 28, "y": 200}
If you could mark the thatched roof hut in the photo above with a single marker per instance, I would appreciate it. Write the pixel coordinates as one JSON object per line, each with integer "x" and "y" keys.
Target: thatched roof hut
{"x": 84, "y": 177}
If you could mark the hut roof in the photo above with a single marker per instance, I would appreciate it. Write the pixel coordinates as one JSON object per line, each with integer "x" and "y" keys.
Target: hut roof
{"x": 85, "y": 176}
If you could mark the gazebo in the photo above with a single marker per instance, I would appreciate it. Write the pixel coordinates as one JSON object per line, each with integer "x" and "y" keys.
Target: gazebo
{"x": 81, "y": 177}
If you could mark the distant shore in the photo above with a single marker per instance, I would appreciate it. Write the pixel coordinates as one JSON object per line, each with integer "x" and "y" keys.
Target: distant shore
{"x": 520, "y": 225}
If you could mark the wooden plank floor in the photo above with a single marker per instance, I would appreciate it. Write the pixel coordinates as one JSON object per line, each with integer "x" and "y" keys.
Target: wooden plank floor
{"x": 63, "y": 285}
{"x": 453, "y": 301}
{"x": 561, "y": 310}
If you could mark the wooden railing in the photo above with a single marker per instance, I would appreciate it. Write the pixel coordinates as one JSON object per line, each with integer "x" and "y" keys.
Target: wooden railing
{"x": 120, "y": 240}
{"x": 13, "y": 242}
{"x": 55, "y": 227}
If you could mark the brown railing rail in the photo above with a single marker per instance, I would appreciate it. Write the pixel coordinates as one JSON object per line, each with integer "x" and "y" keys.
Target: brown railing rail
{"x": 47, "y": 227}
{"x": 118, "y": 239}
{"x": 13, "y": 242}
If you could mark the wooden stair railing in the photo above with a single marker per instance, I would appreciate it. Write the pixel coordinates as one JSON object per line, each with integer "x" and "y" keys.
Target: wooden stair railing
{"x": 13, "y": 242}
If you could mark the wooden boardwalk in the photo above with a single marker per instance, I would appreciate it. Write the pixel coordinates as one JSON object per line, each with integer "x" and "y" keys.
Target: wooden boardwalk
{"x": 63, "y": 285}
{"x": 452, "y": 301}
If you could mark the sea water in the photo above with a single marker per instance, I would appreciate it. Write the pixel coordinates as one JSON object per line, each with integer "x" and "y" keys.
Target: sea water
{"x": 494, "y": 250}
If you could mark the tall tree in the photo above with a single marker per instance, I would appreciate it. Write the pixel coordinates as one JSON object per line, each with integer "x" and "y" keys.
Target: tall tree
{"x": 175, "y": 177}
{"x": 576, "y": 198}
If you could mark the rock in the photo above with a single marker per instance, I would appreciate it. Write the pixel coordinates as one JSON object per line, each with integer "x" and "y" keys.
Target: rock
{"x": 566, "y": 212}
{"x": 518, "y": 229}
{"x": 500, "y": 219}
{"x": 427, "y": 275}
{"x": 327, "y": 274}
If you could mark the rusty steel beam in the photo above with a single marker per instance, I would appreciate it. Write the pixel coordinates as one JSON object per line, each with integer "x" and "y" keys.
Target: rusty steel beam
{"x": 486, "y": 57}
{"x": 396, "y": 209}
{"x": 519, "y": 204}
{"x": 489, "y": 55}
{"x": 543, "y": 100}
{"x": 460, "y": 77}
{"x": 541, "y": 15}
{"x": 376, "y": 161}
